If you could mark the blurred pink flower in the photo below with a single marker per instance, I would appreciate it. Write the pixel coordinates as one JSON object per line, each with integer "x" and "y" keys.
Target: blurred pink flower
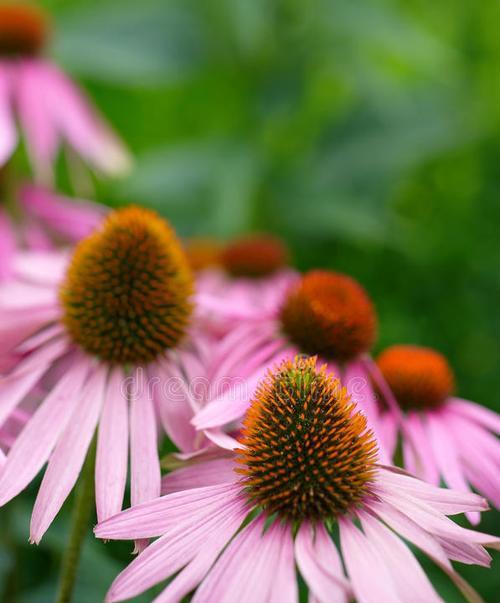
{"x": 48, "y": 106}
{"x": 240, "y": 526}
{"x": 250, "y": 273}
{"x": 95, "y": 331}
{"x": 322, "y": 313}
{"x": 67, "y": 220}
{"x": 444, "y": 436}
{"x": 45, "y": 220}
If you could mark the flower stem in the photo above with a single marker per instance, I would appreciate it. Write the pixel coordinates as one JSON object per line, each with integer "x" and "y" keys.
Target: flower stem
{"x": 83, "y": 503}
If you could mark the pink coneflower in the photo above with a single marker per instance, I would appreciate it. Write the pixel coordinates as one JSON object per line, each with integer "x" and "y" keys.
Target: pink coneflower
{"x": 445, "y": 437}
{"x": 249, "y": 275}
{"x": 306, "y": 468}
{"x": 324, "y": 313}
{"x": 78, "y": 326}
{"x": 48, "y": 106}
{"x": 44, "y": 220}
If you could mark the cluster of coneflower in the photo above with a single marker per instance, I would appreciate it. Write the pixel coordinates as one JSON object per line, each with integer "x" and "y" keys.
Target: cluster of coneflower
{"x": 284, "y": 459}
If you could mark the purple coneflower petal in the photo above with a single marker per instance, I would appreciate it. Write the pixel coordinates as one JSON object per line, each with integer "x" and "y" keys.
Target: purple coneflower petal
{"x": 33, "y": 446}
{"x": 465, "y": 552}
{"x": 425, "y": 462}
{"x": 177, "y": 547}
{"x": 447, "y": 457}
{"x": 46, "y": 268}
{"x": 479, "y": 414}
{"x": 449, "y": 502}
{"x": 38, "y": 125}
{"x": 155, "y": 517}
{"x": 145, "y": 474}
{"x": 15, "y": 386}
{"x": 7, "y": 244}
{"x": 411, "y": 583}
{"x": 319, "y": 563}
{"x": 231, "y": 405}
{"x": 221, "y": 439}
{"x": 371, "y": 582}
{"x": 112, "y": 449}
{"x": 175, "y": 407}
{"x": 8, "y": 139}
{"x": 233, "y": 576}
{"x": 70, "y": 217}
{"x": 209, "y": 473}
{"x": 80, "y": 124}
{"x": 284, "y": 586}
{"x": 68, "y": 457}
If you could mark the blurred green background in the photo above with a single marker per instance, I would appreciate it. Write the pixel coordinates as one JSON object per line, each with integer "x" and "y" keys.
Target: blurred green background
{"x": 365, "y": 133}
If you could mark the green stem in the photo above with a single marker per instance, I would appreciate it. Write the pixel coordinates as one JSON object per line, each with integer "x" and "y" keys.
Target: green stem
{"x": 83, "y": 504}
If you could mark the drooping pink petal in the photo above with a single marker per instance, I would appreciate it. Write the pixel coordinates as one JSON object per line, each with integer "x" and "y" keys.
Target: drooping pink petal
{"x": 71, "y": 218}
{"x": 15, "y": 295}
{"x": 209, "y": 473}
{"x": 284, "y": 585}
{"x": 448, "y": 502}
{"x": 479, "y": 455}
{"x": 145, "y": 475}
{"x": 195, "y": 571}
{"x": 319, "y": 564}
{"x": 40, "y": 338}
{"x": 35, "y": 117}
{"x": 412, "y": 531}
{"x": 447, "y": 457}
{"x": 433, "y": 521}
{"x": 388, "y": 430}
{"x": 176, "y": 548}
{"x": 424, "y": 460}
{"x": 68, "y": 457}
{"x": 153, "y": 518}
{"x": 356, "y": 380}
{"x": 234, "y": 350}
{"x": 465, "y": 552}
{"x": 221, "y": 439}
{"x": 429, "y": 544}
{"x": 252, "y": 553}
{"x": 15, "y": 386}
{"x": 32, "y": 447}
{"x": 18, "y": 324}
{"x": 8, "y": 133}
{"x": 7, "y": 243}
{"x": 412, "y": 584}
{"x": 81, "y": 126}
{"x": 232, "y": 405}
{"x": 482, "y": 415}
{"x": 175, "y": 408}
{"x": 112, "y": 449}
{"x": 42, "y": 267}
{"x": 371, "y": 582}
